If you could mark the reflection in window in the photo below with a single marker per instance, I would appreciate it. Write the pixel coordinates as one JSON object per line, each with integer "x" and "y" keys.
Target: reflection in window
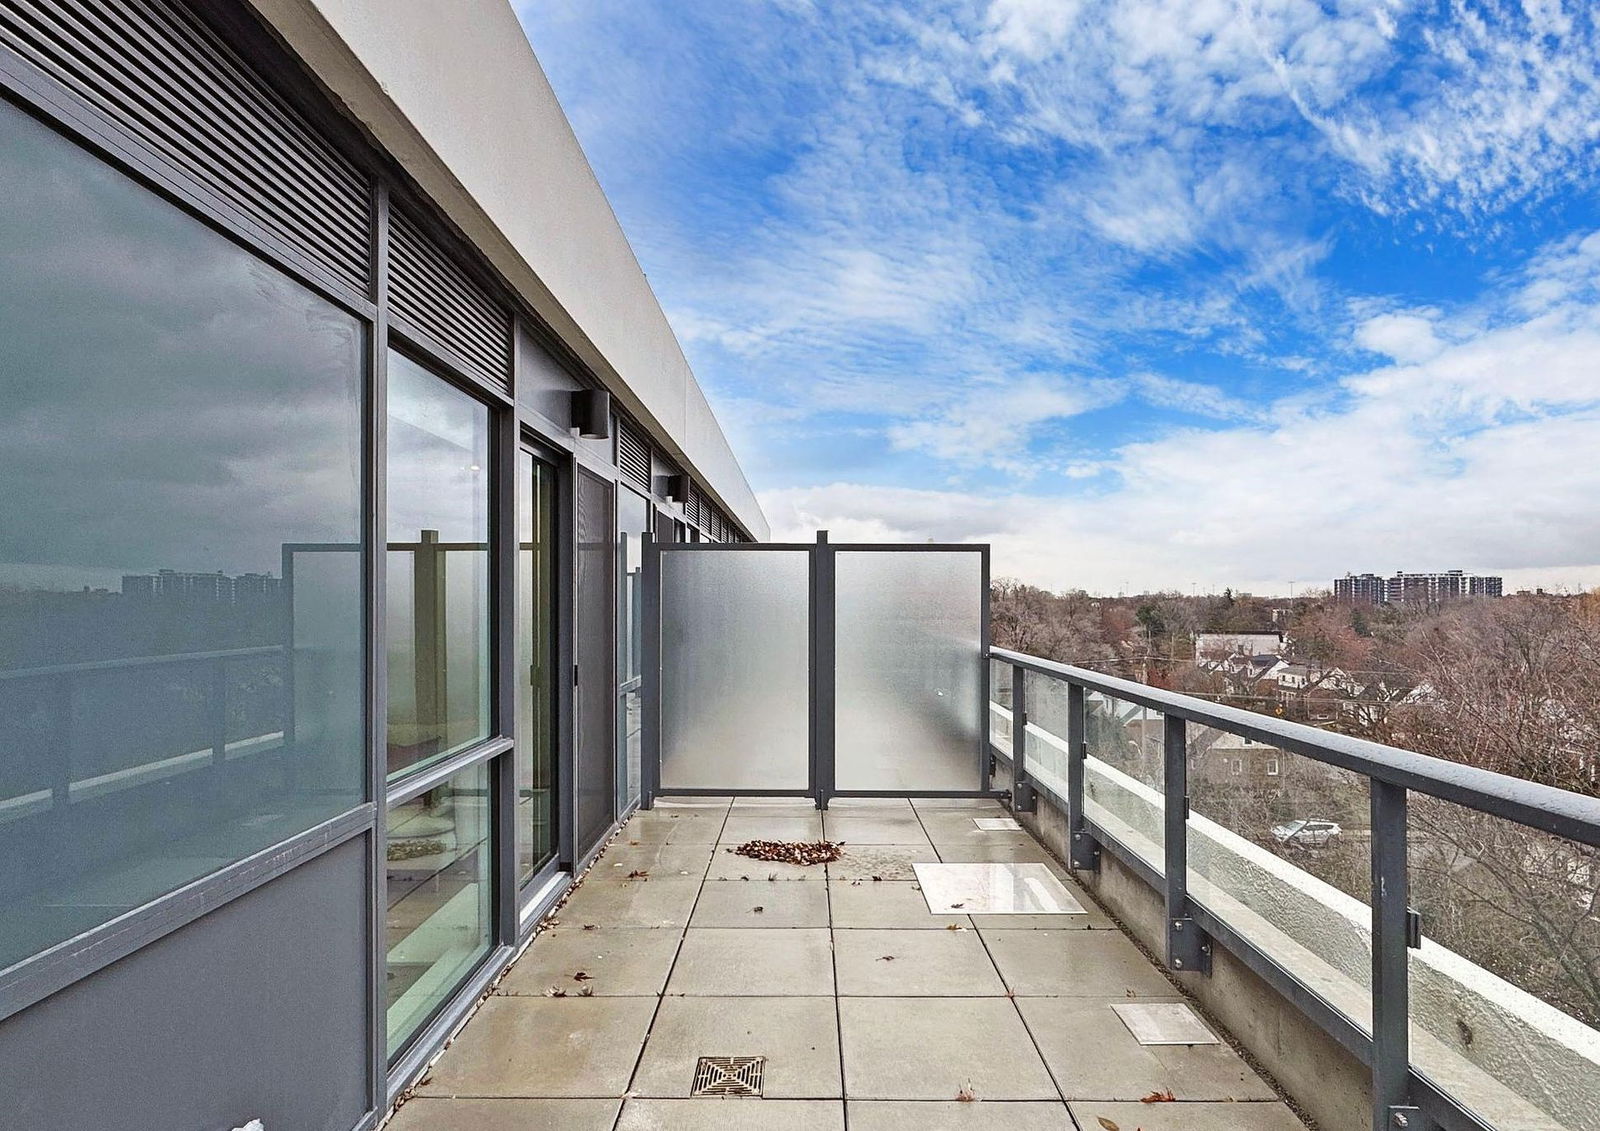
{"x": 180, "y": 584}
{"x": 437, "y": 926}
{"x": 438, "y": 568}
{"x": 536, "y": 596}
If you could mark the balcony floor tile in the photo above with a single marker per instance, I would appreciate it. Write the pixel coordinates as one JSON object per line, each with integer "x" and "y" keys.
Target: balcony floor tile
{"x": 901, "y": 963}
{"x": 428, "y": 1114}
{"x": 1189, "y": 1116}
{"x": 633, "y": 903}
{"x": 799, "y": 1036}
{"x": 538, "y": 1047}
{"x": 753, "y": 962}
{"x": 880, "y": 862}
{"x": 1093, "y": 1055}
{"x": 986, "y": 1115}
{"x": 1074, "y": 964}
{"x": 620, "y": 962}
{"x": 897, "y": 904}
{"x": 735, "y": 903}
{"x": 933, "y": 1048}
{"x": 723, "y": 1113}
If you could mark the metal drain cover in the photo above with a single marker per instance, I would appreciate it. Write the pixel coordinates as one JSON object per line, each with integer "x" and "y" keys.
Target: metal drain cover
{"x": 728, "y": 1076}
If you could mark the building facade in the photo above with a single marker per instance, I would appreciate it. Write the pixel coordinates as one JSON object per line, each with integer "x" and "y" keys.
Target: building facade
{"x": 1414, "y": 588}
{"x": 335, "y": 413}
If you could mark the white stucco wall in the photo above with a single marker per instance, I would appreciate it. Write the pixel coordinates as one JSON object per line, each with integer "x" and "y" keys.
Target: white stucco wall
{"x": 452, "y": 90}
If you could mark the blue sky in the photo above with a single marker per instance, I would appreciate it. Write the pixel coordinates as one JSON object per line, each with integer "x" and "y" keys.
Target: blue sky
{"x": 1147, "y": 293}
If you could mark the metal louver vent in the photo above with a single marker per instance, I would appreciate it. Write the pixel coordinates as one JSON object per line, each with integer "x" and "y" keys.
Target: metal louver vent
{"x": 695, "y": 508}
{"x": 432, "y": 294}
{"x": 155, "y": 70}
{"x": 633, "y": 457}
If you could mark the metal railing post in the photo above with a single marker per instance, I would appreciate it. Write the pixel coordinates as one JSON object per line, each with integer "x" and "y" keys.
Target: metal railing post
{"x": 823, "y": 775}
{"x": 1391, "y": 1007}
{"x": 1082, "y": 851}
{"x": 1023, "y": 798}
{"x": 650, "y": 694}
{"x": 1188, "y": 948}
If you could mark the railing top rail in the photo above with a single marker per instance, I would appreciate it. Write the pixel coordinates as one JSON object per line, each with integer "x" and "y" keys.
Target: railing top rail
{"x": 1558, "y": 811}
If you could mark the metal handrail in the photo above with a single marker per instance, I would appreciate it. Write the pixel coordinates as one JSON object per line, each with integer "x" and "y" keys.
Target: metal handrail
{"x": 135, "y": 662}
{"x": 1402, "y": 1097}
{"x": 1545, "y": 807}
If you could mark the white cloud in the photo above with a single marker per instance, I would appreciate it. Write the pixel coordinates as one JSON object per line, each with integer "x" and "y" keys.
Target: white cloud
{"x": 1404, "y": 337}
{"x": 1473, "y": 452}
{"x": 993, "y": 424}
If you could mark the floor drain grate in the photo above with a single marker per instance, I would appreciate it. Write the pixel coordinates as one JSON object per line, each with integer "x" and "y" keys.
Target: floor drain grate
{"x": 728, "y": 1076}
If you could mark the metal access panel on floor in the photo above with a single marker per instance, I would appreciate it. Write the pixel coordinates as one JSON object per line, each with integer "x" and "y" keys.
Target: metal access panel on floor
{"x": 816, "y": 670}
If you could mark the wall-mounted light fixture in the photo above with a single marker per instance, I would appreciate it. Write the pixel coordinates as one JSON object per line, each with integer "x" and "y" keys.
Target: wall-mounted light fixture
{"x": 591, "y": 414}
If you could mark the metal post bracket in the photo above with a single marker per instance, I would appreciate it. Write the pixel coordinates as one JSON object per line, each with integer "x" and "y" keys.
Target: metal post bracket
{"x": 1188, "y": 947}
{"x": 1083, "y": 853}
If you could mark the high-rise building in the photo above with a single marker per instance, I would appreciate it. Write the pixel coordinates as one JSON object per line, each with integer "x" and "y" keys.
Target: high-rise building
{"x": 1414, "y": 588}
{"x": 1359, "y": 589}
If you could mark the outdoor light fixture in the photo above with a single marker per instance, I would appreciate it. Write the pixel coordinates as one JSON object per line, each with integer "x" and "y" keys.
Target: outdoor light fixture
{"x": 591, "y": 414}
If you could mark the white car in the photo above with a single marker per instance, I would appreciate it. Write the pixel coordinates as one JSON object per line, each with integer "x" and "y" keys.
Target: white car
{"x": 1310, "y": 832}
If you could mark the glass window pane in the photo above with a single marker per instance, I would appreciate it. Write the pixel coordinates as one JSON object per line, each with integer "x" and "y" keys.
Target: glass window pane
{"x": 439, "y": 856}
{"x": 178, "y": 422}
{"x": 910, "y": 712}
{"x": 536, "y": 590}
{"x": 438, "y": 577}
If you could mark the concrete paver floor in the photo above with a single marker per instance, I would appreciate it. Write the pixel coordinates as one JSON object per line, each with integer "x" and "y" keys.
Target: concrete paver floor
{"x": 872, "y": 1013}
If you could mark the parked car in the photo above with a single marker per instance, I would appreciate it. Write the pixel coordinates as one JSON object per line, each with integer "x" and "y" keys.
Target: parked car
{"x": 1309, "y": 832}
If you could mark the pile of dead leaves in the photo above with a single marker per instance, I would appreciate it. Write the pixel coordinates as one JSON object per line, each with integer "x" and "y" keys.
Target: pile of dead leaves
{"x": 790, "y": 851}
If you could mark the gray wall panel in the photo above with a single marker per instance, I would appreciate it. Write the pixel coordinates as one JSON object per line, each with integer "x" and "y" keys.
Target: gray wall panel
{"x": 256, "y": 1011}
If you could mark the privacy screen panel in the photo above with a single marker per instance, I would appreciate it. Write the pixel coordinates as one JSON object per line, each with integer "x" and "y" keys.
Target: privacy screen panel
{"x": 735, "y": 669}
{"x": 909, "y": 706}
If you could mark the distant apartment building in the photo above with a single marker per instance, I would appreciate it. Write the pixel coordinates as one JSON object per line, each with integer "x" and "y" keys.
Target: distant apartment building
{"x": 210, "y": 588}
{"x": 1414, "y": 588}
{"x": 1359, "y": 589}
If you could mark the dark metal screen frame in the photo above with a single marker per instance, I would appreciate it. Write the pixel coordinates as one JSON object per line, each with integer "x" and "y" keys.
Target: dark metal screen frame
{"x": 821, "y": 762}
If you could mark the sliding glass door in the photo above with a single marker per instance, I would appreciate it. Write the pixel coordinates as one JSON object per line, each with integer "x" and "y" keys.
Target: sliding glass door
{"x": 537, "y": 594}
{"x": 633, "y": 523}
{"x": 595, "y": 753}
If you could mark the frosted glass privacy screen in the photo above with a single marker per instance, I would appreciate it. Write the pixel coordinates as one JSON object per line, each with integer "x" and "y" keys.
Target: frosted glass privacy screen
{"x": 909, "y": 663}
{"x": 735, "y": 669}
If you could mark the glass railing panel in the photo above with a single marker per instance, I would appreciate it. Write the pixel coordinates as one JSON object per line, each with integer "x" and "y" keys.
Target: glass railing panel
{"x": 1045, "y": 757}
{"x": 1000, "y": 702}
{"x": 1123, "y": 774}
{"x": 1278, "y": 849}
{"x": 1505, "y": 989}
